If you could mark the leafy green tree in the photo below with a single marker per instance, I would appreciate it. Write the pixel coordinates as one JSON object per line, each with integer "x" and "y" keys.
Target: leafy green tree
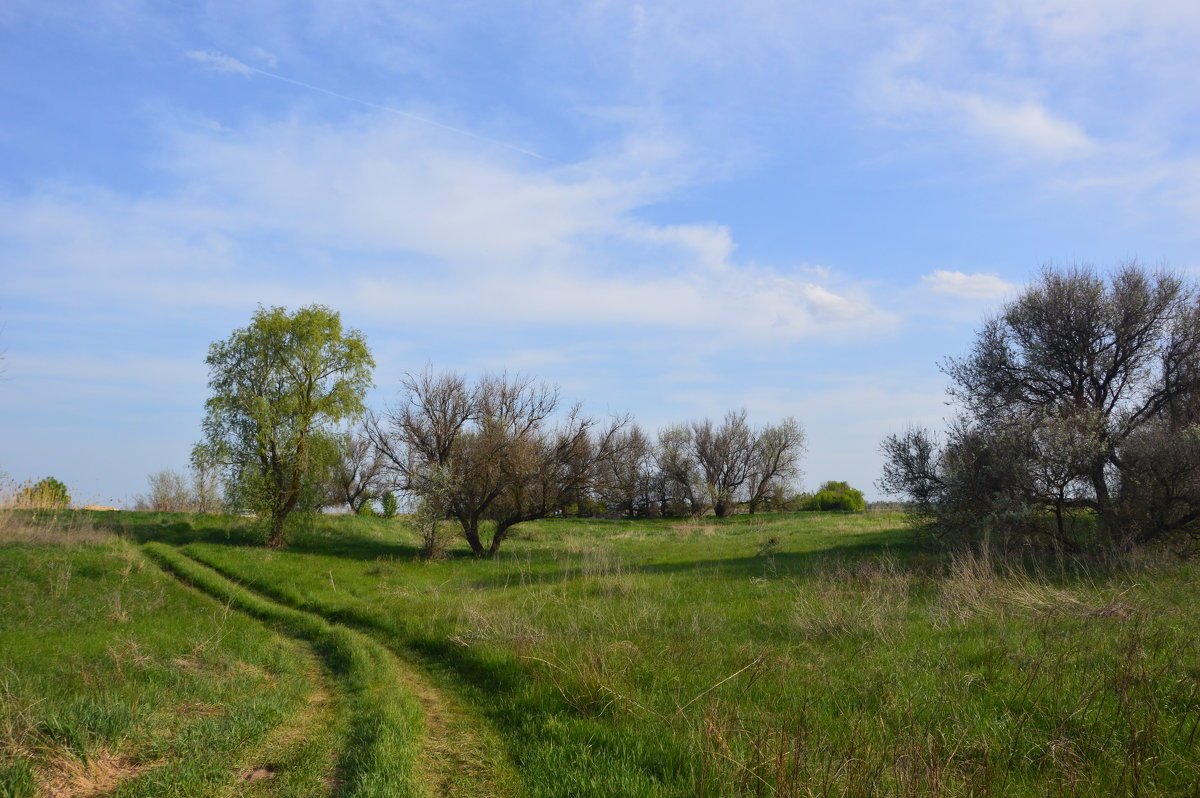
{"x": 279, "y": 386}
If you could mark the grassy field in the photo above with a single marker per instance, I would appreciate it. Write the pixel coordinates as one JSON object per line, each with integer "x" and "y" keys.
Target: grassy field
{"x": 115, "y": 678}
{"x": 812, "y": 654}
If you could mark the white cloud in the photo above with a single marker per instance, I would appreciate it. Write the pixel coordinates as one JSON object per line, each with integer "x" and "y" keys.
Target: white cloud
{"x": 219, "y": 62}
{"x": 266, "y": 57}
{"x": 1019, "y": 125}
{"x": 1026, "y": 126}
{"x": 391, "y": 217}
{"x": 1075, "y": 93}
{"x": 968, "y": 286}
{"x": 711, "y": 245}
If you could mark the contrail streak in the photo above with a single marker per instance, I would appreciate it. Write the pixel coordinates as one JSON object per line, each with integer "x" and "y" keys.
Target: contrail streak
{"x": 226, "y": 63}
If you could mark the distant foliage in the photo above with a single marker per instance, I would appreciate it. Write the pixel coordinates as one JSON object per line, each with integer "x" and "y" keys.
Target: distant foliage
{"x": 432, "y": 508}
{"x": 174, "y": 492}
{"x": 391, "y": 505}
{"x": 169, "y": 492}
{"x": 48, "y": 494}
{"x": 836, "y": 496}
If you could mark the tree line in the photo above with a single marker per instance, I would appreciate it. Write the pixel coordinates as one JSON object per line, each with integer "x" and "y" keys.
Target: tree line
{"x": 488, "y": 454}
{"x": 1078, "y": 427}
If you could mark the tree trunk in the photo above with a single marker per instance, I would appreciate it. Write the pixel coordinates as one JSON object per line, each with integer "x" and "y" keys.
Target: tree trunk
{"x": 471, "y": 533}
{"x": 498, "y": 537}
{"x": 276, "y": 539}
{"x": 1105, "y": 514}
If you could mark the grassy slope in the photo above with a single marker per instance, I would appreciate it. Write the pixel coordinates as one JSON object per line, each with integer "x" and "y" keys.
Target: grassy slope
{"x": 813, "y": 654}
{"x": 113, "y": 674}
{"x": 663, "y": 658}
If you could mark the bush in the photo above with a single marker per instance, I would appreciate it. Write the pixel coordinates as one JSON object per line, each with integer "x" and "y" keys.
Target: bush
{"x": 49, "y": 494}
{"x": 169, "y": 492}
{"x": 390, "y": 504}
{"x": 836, "y": 496}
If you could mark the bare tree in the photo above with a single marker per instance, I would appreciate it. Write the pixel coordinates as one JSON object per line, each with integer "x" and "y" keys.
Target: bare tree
{"x": 683, "y": 483}
{"x": 625, "y": 481}
{"x": 495, "y": 444}
{"x": 721, "y": 465}
{"x": 169, "y": 492}
{"x": 357, "y": 470}
{"x": 724, "y": 454}
{"x": 775, "y": 461}
{"x": 175, "y": 492}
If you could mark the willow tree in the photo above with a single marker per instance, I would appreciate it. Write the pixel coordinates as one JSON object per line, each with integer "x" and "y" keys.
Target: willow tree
{"x": 279, "y": 385}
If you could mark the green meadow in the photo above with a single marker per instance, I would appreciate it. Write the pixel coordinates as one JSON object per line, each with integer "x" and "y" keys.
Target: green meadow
{"x": 812, "y": 654}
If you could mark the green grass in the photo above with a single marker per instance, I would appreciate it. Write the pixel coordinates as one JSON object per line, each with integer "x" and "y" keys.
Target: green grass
{"x": 379, "y": 751}
{"x": 841, "y": 658}
{"x": 113, "y": 675}
{"x": 811, "y": 654}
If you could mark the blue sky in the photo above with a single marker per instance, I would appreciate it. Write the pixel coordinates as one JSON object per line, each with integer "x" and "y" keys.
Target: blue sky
{"x": 669, "y": 209}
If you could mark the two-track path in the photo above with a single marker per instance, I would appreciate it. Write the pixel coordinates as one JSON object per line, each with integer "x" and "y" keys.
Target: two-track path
{"x": 453, "y": 735}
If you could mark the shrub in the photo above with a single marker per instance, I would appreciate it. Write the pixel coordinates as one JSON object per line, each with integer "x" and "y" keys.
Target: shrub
{"x": 49, "y": 494}
{"x": 836, "y": 496}
{"x": 390, "y": 504}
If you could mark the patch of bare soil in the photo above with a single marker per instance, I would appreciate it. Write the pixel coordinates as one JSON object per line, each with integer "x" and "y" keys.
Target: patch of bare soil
{"x": 257, "y": 774}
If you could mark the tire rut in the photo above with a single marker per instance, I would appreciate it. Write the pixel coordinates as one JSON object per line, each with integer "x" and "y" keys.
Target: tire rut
{"x": 296, "y": 758}
{"x": 376, "y": 751}
{"x": 453, "y": 759}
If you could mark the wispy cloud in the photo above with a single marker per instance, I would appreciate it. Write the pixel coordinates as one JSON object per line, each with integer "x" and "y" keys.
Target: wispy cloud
{"x": 220, "y": 62}
{"x": 425, "y": 227}
{"x": 1076, "y": 96}
{"x": 1026, "y": 126}
{"x": 1018, "y": 124}
{"x": 968, "y": 286}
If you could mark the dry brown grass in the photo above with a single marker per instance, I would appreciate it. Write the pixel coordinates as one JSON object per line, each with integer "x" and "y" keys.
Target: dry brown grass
{"x": 687, "y": 530}
{"x": 28, "y": 518}
{"x": 69, "y": 777}
{"x": 39, "y": 532}
{"x": 868, "y": 598}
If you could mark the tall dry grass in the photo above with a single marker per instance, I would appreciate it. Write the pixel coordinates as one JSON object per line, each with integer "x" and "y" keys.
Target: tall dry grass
{"x": 30, "y": 518}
